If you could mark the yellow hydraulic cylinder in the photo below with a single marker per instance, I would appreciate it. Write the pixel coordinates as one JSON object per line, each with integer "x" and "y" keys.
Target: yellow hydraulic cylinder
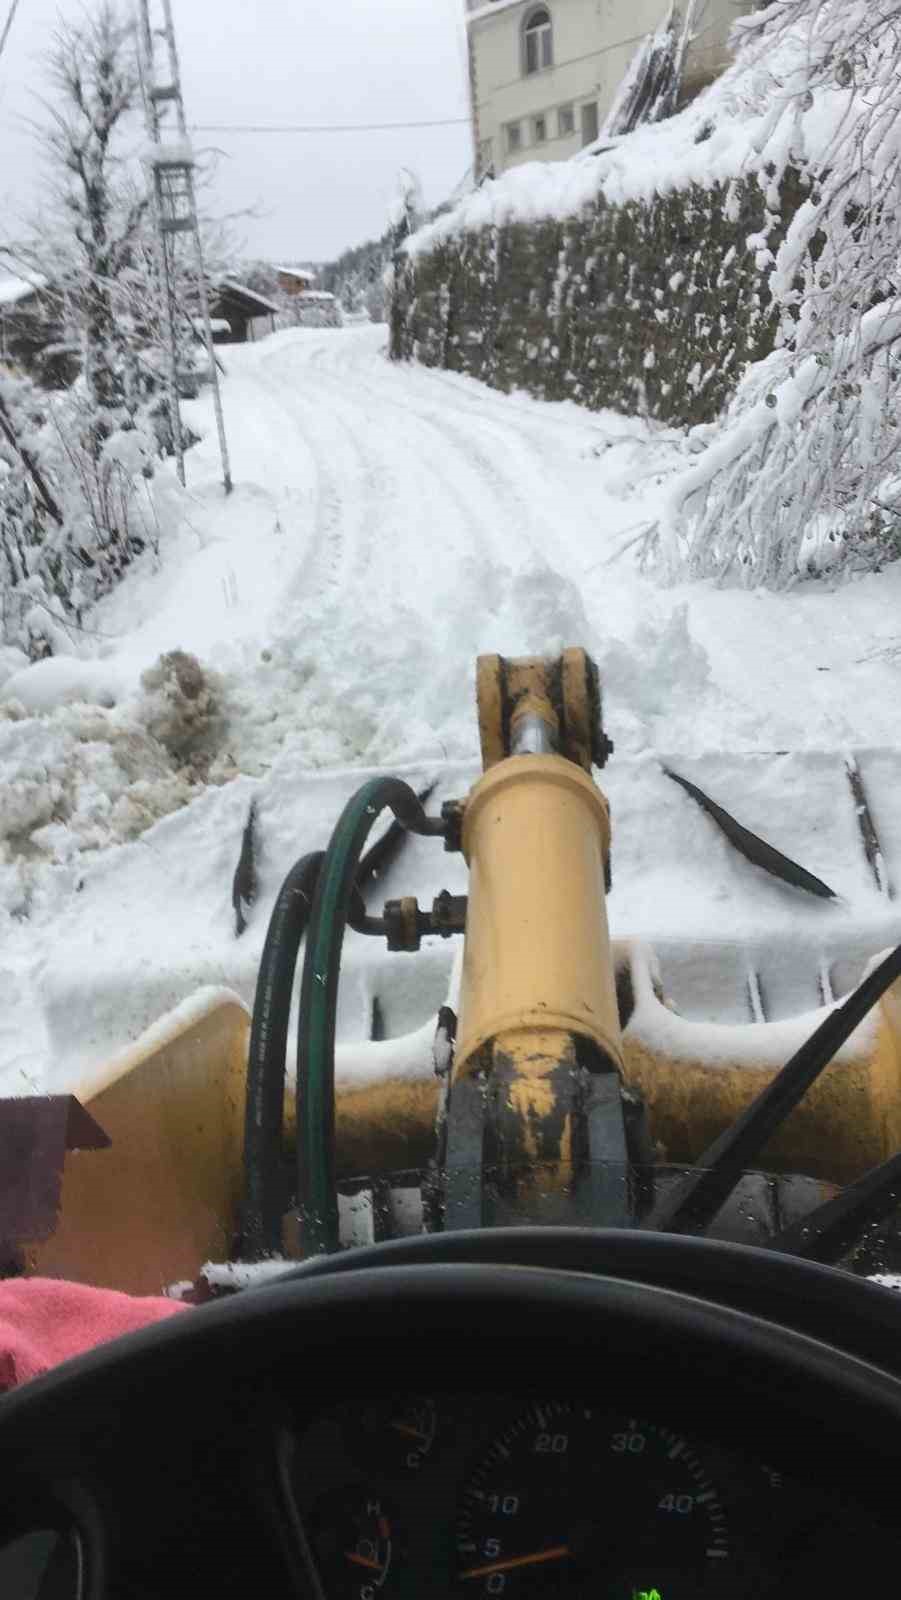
{"x": 536, "y": 836}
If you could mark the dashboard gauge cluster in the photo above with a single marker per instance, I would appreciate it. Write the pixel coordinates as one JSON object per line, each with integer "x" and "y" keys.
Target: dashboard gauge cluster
{"x": 471, "y": 1497}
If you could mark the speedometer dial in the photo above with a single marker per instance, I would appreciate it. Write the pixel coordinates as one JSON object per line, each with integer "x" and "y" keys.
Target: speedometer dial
{"x": 572, "y": 1500}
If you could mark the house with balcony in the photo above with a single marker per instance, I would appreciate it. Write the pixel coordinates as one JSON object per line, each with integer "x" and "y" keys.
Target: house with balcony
{"x": 544, "y": 74}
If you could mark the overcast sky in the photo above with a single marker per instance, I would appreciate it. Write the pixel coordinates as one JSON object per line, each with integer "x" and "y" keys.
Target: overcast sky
{"x": 341, "y": 61}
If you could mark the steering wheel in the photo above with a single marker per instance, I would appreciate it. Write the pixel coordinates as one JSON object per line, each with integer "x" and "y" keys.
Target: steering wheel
{"x": 186, "y": 1458}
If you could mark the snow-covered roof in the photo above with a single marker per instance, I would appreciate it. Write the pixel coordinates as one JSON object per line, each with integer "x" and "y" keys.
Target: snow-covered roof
{"x": 299, "y": 272}
{"x": 266, "y": 306}
{"x": 12, "y": 290}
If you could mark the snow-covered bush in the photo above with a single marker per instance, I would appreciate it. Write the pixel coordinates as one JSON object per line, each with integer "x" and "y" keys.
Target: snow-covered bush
{"x": 72, "y": 515}
{"x": 803, "y": 474}
{"x": 73, "y": 465}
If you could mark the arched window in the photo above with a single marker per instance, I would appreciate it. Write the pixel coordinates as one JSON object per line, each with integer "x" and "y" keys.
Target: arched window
{"x": 538, "y": 41}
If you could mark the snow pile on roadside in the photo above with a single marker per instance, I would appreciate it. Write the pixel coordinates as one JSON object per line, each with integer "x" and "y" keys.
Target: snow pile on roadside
{"x": 98, "y": 744}
{"x": 39, "y": 686}
{"x": 81, "y": 772}
{"x": 78, "y": 779}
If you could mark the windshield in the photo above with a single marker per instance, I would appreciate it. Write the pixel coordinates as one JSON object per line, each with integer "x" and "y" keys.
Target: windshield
{"x": 392, "y": 400}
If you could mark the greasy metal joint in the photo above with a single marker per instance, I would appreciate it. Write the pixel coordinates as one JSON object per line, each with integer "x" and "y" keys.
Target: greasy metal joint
{"x": 563, "y": 696}
{"x": 406, "y": 926}
{"x": 448, "y": 913}
{"x": 532, "y": 735}
{"x": 404, "y": 923}
{"x": 452, "y": 814}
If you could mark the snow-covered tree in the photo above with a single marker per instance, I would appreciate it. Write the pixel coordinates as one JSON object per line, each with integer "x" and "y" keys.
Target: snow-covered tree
{"x": 407, "y": 208}
{"x": 93, "y": 73}
{"x": 652, "y": 85}
{"x": 803, "y": 474}
{"x": 63, "y": 545}
{"x": 405, "y": 214}
{"x": 71, "y": 515}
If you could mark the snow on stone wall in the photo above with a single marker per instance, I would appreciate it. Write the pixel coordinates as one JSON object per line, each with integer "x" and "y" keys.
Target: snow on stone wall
{"x": 654, "y": 307}
{"x": 633, "y": 276}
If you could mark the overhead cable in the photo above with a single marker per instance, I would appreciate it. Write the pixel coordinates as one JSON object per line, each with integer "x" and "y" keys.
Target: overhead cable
{"x": 336, "y": 127}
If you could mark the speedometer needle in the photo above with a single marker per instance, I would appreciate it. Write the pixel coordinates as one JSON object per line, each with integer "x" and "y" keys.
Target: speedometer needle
{"x": 555, "y": 1554}
{"x": 362, "y": 1561}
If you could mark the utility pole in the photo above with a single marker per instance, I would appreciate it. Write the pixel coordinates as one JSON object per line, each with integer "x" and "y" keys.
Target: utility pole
{"x": 171, "y": 160}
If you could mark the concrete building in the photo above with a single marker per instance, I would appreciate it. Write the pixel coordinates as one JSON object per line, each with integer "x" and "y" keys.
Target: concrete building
{"x": 544, "y": 73}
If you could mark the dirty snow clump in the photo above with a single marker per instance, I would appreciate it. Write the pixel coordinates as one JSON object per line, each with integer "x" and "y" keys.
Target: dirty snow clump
{"x": 182, "y": 708}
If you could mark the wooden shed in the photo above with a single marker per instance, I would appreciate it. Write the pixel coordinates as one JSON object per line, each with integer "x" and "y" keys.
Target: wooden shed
{"x": 246, "y": 314}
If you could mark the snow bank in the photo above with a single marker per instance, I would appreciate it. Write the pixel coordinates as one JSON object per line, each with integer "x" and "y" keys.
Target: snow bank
{"x": 12, "y": 290}
{"x": 64, "y": 680}
{"x": 77, "y": 780}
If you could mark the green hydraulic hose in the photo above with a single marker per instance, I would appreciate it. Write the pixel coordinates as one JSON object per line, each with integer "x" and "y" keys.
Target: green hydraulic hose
{"x": 317, "y": 1199}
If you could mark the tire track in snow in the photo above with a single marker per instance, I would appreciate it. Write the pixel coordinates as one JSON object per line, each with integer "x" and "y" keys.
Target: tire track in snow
{"x": 438, "y": 531}
{"x": 412, "y": 463}
{"x": 520, "y": 484}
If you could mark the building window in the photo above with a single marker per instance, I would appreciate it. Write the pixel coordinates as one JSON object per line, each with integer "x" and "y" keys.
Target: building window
{"x": 514, "y": 136}
{"x": 538, "y": 41}
{"x": 539, "y": 130}
{"x": 589, "y": 122}
{"x": 566, "y": 121}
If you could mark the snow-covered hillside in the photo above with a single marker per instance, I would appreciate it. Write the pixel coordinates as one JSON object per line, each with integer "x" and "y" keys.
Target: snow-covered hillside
{"x": 388, "y": 524}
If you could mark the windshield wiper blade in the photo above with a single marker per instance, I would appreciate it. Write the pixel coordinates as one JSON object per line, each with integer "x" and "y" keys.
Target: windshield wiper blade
{"x": 829, "y": 1232}
{"x": 752, "y": 847}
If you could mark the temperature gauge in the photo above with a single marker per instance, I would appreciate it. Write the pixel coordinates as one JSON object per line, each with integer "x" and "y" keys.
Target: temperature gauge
{"x": 356, "y": 1544}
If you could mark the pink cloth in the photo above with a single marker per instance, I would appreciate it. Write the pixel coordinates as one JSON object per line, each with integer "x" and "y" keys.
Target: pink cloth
{"x": 44, "y": 1321}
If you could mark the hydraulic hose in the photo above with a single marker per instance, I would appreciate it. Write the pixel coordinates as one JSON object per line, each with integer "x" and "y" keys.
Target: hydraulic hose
{"x": 262, "y": 1205}
{"x": 333, "y": 906}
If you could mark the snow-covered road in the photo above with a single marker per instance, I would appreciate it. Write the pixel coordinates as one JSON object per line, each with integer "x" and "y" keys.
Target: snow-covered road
{"x": 388, "y": 524}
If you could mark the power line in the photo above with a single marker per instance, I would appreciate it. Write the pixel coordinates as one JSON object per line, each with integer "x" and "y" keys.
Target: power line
{"x": 8, "y": 24}
{"x": 335, "y": 127}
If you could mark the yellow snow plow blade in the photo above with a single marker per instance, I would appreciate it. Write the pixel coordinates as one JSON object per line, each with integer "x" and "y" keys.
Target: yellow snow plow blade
{"x": 163, "y": 1199}
{"x": 543, "y": 992}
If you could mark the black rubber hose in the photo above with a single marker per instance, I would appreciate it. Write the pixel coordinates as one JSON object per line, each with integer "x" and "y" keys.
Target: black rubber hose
{"x": 261, "y": 1211}
{"x": 335, "y": 901}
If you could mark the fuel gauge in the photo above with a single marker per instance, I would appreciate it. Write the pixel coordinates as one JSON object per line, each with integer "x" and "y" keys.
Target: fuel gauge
{"x": 396, "y": 1436}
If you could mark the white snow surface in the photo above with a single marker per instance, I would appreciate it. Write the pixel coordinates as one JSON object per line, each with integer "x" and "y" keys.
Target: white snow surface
{"x": 14, "y": 289}
{"x": 387, "y": 525}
